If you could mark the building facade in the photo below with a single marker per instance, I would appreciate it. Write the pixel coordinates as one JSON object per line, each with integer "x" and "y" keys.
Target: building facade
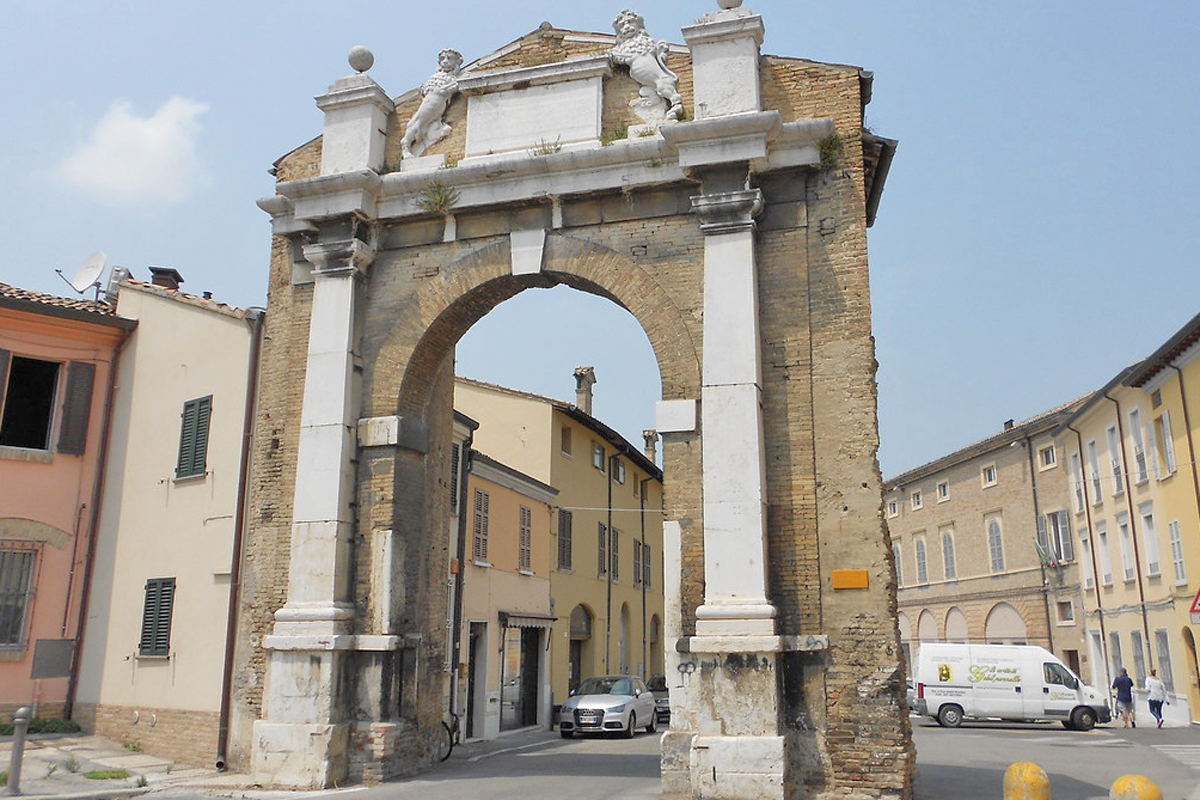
{"x": 983, "y": 545}
{"x": 57, "y": 358}
{"x": 154, "y": 666}
{"x": 606, "y": 577}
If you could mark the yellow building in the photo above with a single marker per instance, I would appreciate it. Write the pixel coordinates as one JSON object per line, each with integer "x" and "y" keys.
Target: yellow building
{"x": 1169, "y": 381}
{"x": 606, "y": 577}
{"x": 1134, "y": 503}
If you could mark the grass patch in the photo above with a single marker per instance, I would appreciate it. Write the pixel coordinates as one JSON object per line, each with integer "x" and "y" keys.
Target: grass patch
{"x": 830, "y": 149}
{"x": 106, "y": 774}
{"x": 43, "y": 726}
{"x": 437, "y": 198}
{"x": 71, "y": 764}
{"x": 544, "y": 148}
{"x": 614, "y": 135}
{"x": 133, "y": 747}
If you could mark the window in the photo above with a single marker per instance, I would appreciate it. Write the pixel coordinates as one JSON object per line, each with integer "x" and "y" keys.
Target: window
{"x": 893, "y": 508}
{"x": 1057, "y": 674}
{"x": 1177, "y": 553}
{"x": 1089, "y": 566}
{"x": 565, "y": 440}
{"x": 616, "y": 563}
{"x": 1054, "y": 538}
{"x": 1066, "y": 612}
{"x": 193, "y": 437}
{"x": 598, "y": 456}
{"x": 988, "y": 475}
{"x": 637, "y": 562}
{"x": 1141, "y": 473}
{"x": 618, "y": 470}
{"x": 1047, "y": 457}
{"x": 28, "y": 401}
{"x": 16, "y": 585}
{"x": 156, "y": 617}
{"x": 1114, "y": 652}
{"x": 996, "y": 545}
{"x": 1114, "y": 460}
{"x": 916, "y": 500}
{"x": 1149, "y": 539}
{"x": 646, "y": 565}
{"x": 1126, "y": 539}
{"x": 602, "y": 549}
{"x": 948, "y": 555}
{"x": 922, "y": 568}
{"x": 1139, "y": 657}
{"x": 482, "y": 504}
{"x": 564, "y": 539}
{"x": 896, "y": 561}
{"x": 455, "y": 466}
{"x": 1163, "y": 645}
{"x": 525, "y": 559}
{"x": 943, "y": 491}
{"x": 1077, "y": 481}
{"x": 1093, "y": 457}
{"x": 1165, "y": 445}
{"x": 1106, "y": 570}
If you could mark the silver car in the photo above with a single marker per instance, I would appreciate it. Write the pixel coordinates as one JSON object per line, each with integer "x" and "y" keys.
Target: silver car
{"x": 608, "y": 703}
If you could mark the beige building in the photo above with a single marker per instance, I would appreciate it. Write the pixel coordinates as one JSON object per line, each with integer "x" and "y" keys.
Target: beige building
{"x": 154, "y": 664}
{"x": 983, "y": 547}
{"x": 1135, "y": 504}
{"x": 606, "y": 578}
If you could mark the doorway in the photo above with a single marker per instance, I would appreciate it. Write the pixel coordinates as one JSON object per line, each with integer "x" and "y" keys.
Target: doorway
{"x": 476, "y": 677}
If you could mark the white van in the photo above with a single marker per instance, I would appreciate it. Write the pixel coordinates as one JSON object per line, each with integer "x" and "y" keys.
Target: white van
{"x": 1001, "y": 681}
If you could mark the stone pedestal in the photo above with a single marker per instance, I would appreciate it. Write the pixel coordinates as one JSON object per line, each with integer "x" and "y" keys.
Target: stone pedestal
{"x": 725, "y": 53}
{"x": 356, "y": 112}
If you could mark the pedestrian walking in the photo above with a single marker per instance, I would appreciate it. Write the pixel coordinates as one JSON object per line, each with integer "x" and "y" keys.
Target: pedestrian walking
{"x": 1156, "y": 693}
{"x": 1123, "y": 686}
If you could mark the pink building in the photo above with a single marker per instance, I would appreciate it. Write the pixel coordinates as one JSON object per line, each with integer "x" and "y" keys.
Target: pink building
{"x": 56, "y": 377}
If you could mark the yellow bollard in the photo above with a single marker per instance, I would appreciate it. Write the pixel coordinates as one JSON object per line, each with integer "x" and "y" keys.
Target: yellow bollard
{"x": 1025, "y": 780}
{"x": 1134, "y": 787}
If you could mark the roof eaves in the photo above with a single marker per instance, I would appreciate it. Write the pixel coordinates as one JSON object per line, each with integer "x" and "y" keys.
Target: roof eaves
{"x": 1161, "y": 358}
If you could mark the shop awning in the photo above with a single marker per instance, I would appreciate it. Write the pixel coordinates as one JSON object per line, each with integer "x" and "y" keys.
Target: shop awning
{"x": 513, "y": 619}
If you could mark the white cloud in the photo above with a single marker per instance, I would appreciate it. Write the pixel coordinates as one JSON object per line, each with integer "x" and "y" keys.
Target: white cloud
{"x": 132, "y": 160}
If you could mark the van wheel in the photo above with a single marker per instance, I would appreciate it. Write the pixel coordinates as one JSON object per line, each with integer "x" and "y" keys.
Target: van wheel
{"x": 1084, "y": 719}
{"x": 1068, "y": 724}
{"x": 950, "y": 716}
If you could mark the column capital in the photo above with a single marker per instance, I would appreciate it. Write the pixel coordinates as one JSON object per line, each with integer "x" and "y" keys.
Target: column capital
{"x": 728, "y": 212}
{"x": 339, "y": 258}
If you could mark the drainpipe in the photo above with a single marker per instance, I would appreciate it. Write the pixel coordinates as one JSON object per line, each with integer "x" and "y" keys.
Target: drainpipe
{"x": 1037, "y": 512}
{"x": 612, "y": 461}
{"x": 459, "y": 589}
{"x": 1087, "y": 510}
{"x": 1137, "y": 558}
{"x": 642, "y": 577}
{"x": 94, "y": 524}
{"x": 255, "y": 317}
{"x": 1187, "y": 424}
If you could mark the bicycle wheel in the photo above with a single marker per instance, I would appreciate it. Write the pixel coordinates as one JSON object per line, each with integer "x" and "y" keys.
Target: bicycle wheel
{"x": 445, "y": 742}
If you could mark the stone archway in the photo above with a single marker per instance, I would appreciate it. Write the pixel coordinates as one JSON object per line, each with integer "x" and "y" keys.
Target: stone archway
{"x": 737, "y": 241}
{"x": 1005, "y": 625}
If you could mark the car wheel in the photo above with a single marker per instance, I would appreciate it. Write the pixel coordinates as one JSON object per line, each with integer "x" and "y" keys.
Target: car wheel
{"x": 566, "y": 734}
{"x": 652, "y": 725}
{"x": 1084, "y": 719}
{"x": 632, "y": 727}
{"x": 950, "y": 716}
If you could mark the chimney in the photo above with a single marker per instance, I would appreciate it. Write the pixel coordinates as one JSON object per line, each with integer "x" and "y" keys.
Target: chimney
{"x": 1008, "y": 424}
{"x": 585, "y": 378}
{"x": 166, "y": 277}
{"x": 651, "y": 437}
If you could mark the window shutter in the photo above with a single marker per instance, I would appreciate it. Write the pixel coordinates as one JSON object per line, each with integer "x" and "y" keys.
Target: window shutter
{"x": 646, "y": 565}
{"x": 156, "y": 617}
{"x": 454, "y": 458}
{"x": 4, "y": 354}
{"x": 77, "y": 408}
{"x": 193, "y": 437}
{"x": 612, "y": 548}
{"x": 1043, "y": 542}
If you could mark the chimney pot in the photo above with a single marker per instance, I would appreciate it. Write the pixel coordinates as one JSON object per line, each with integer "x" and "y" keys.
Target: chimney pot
{"x": 651, "y": 438}
{"x": 167, "y": 277}
{"x": 1008, "y": 425}
{"x": 585, "y": 379}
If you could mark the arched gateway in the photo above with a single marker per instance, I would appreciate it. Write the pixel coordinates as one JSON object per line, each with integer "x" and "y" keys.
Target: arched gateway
{"x": 722, "y": 197}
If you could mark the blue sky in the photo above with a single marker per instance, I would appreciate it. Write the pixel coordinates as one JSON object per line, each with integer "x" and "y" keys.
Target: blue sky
{"x": 1034, "y": 237}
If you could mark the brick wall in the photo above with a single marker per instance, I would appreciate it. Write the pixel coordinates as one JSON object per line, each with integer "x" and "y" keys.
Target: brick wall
{"x": 189, "y": 737}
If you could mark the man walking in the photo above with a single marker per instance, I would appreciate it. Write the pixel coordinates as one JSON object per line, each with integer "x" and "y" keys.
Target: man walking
{"x": 1123, "y": 685}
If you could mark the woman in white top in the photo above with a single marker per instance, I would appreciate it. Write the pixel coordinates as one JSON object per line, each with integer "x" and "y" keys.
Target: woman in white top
{"x": 1156, "y": 692}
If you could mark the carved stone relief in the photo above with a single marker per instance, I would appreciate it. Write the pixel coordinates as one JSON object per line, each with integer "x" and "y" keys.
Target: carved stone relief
{"x": 426, "y": 126}
{"x": 646, "y": 57}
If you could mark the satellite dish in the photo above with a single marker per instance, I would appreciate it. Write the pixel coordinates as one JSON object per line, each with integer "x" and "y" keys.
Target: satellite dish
{"x": 88, "y": 271}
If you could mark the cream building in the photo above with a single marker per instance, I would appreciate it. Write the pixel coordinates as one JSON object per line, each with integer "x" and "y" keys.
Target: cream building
{"x": 983, "y": 546}
{"x": 606, "y": 577}
{"x": 154, "y": 665}
{"x": 1136, "y": 508}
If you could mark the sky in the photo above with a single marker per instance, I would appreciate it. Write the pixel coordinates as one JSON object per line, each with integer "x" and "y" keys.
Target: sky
{"x": 1034, "y": 235}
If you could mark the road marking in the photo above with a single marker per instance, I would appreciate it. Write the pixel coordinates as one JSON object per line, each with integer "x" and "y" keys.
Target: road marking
{"x": 1184, "y": 753}
{"x": 482, "y": 756}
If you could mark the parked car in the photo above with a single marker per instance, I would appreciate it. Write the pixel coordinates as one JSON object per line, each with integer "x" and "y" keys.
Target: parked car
{"x": 608, "y": 703}
{"x": 662, "y": 697}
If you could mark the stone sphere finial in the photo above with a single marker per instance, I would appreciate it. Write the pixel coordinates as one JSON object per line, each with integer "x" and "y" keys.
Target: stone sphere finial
{"x": 361, "y": 59}
{"x": 728, "y": 4}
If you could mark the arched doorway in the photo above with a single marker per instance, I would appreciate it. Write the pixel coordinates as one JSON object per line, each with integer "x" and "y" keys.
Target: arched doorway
{"x": 1193, "y": 669}
{"x": 927, "y": 627}
{"x": 1004, "y": 626}
{"x": 956, "y": 626}
{"x": 623, "y": 648}
{"x": 580, "y": 660}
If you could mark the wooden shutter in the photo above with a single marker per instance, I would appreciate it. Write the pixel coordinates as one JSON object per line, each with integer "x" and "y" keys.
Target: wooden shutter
{"x": 1064, "y": 532}
{"x": 193, "y": 437}
{"x": 612, "y": 547}
{"x": 454, "y": 460}
{"x": 77, "y": 408}
{"x": 1044, "y": 548}
{"x": 564, "y": 539}
{"x": 646, "y": 565}
{"x": 481, "y": 525}
{"x": 156, "y": 617}
{"x": 602, "y": 544}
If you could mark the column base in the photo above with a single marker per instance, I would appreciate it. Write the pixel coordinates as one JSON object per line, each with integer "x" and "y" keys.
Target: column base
{"x": 738, "y": 767}
{"x": 300, "y": 756}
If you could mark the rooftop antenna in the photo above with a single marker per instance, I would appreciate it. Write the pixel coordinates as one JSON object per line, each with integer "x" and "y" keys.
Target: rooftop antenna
{"x": 87, "y": 274}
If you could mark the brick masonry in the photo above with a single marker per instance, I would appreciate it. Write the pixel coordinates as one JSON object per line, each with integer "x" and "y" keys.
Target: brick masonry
{"x": 846, "y": 729}
{"x": 189, "y": 737}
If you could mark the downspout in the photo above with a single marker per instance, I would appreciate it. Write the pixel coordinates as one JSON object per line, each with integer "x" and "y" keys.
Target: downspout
{"x": 459, "y": 589}
{"x": 1133, "y": 535}
{"x": 1087, "y": 510}
{"x": 255, "y": 317}
{"x": 608, "y": 557}
{"x": 642, "y": 577}
{"x": 94, "y": 524}
{"x": 1037, "y": 512}
{"x": 1187, "y": 424}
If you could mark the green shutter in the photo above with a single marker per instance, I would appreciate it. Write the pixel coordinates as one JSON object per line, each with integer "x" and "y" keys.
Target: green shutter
{"x": 77, "y": 408}
{"x": 193, "y": 437}
{"x": 156, "y": 617}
